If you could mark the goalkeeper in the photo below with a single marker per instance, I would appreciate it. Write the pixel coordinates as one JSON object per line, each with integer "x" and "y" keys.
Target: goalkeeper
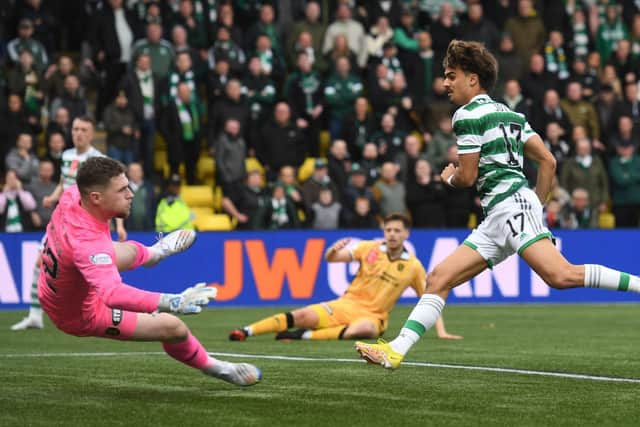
{"x": 80, "y": 287}
{"x": 386, "y": 270}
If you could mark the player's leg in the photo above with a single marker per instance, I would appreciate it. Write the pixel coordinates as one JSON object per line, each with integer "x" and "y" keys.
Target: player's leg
{"x": 34, "y": 318}
{"x": 177, "y": 341}
{"x": 460, "y": 266}
{"x": 132, "y": 254}
{"x": 546, "y": 260}
{"x": 305, "y": 318}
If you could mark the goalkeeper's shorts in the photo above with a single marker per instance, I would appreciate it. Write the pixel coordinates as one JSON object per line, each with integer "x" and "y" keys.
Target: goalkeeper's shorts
{"x": 340, "y": 312}
{"x": 99, "y": 321}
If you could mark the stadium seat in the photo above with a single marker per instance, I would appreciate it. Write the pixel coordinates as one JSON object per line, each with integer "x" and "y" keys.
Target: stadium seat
{"x": 213, "y": 222}
{"x": 607, "y": 220}
{"x": 200, "y": 212}
{"x": 473, "y": 221}
{"x": 160, "y": 162}
{"x": 325, "y": 142}
{"x": 306, "y": 170}
{"x": 251, "y": 163}
{"x": 206, "y": 169}
{"x": 197, "y": 196}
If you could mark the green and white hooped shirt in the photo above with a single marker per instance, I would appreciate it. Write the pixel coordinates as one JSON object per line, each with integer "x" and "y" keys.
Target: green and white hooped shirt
{"x": 499, "y": 134}
{"x": 71, "y": 162}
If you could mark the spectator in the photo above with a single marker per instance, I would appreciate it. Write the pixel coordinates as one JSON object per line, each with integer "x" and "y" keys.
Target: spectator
{"x": 282, "y": 142}
{"x": 14, "y": 122}
{"x": 370, "y": 162}
{"x": 44, "y": 23}
{"x": 326, "y": 211}
{"x": 260, "y": 93}
{"x": 230, "y": 152}
{"x": 555, "y": 56}
{"x": 271, "y": 61}
{"x": 378, "y": 35}
{"x": 193, "y": 22}
{"x": 278, "y": 211}
{"x": 27, "y": 81}
{"x": 590, "y": 82}
{"x": 406, "y": 159}
{"x": 356, "y": 188}
{"x": 405, "y": 35}
{"x": 142, "y": 90}
{"x": 53, "y": 84}
{"x": 388, "y": 139}
{"x": 527, "y": 30}
{"x": 444, "y": 28}
{"x": 605, "y": 106}
{"x": 479, "y": 29}
{"x": 459, "y": 202}
{"x": 226, "y": 18}
{"x": 143, "y": 204}
{"x": 73, "y": 99}
{"x": 426, "y": 197}
{"x": 578, "y": 213}
{"x": 199, "y": 58}
{"x": 304, "y": 44}
{"x": 610, "y": 31}
{"x": 510, "y": 64}
{"x": 161, "y": 52}
{"x": 55, "y": 148}
{"x": 389, "y": 192}
{"x": 287, "y": 177}
{"x": 183, "y": 73}
{"x": 587, "y": 172}
{"x": 624, "y": 169}
{"x": 358, "y": 127}
{"x": 339, "y": 164}
{"x": 630, "y": 105}
{"x": 25, "y": 41}
{"x": 17, "y": 206}
{"x": 182, "y": 129}
{"x": 60, "y": 123}
{"x": 40, "y": 187}
{"x": 424, "y": 70}
{"x": 231, "y": 106}
{"x": 304, "y": 93}
{"x": 400, "y": 103}
{"x": 536, "y": 80}
{"x": 437, "y": 106}
{"x": 112, "y": 37}
{"x": 123, "y": 130}
{"x": 265, "y": 25}
{"x": 217, "y": 81}
{"x": 581, "y": 41}
{"x": 368, "y": 12}
{"x": 557, "y": 145}
{"x": 22, "y": 160}
{"x": 353, "y": 31}
{"x": 551, "y": 111}
{"x": 379, "y": 90}
{"x": 312, "y": 24}
{"x": 622, "y": 61}
{"x": 363, "y": 216}
{"x": 390, "y": 60}
{"x": 244, "y": 206}
{"x": 172, "y": 212}
{"x": 439, "y": 144}
{"x": 224, "y": 47}
{"x": 514, "y": 100}
{"x": 319, "y": 179}
{"x": 581, "y": 112}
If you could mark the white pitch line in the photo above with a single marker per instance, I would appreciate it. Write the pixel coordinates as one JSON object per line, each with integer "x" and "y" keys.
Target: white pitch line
{"x": 341, "y": 360}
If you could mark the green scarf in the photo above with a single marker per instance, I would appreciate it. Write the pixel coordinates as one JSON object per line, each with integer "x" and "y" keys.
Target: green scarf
{"x": 556, "y": 61}
{"x": 190, "y": 122}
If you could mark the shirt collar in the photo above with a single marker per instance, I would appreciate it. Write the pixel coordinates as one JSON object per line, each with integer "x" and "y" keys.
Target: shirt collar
{"x": 403, "y": 256}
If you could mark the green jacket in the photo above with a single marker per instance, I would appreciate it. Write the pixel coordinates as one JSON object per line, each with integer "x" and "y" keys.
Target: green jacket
{"x": 340, "y": 94}
{"x": 625, "y": 180}
{"x": 594, "y": 179}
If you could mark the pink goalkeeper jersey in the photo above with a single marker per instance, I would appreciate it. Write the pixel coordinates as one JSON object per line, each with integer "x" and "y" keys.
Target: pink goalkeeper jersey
{"x": 79, "y": 270}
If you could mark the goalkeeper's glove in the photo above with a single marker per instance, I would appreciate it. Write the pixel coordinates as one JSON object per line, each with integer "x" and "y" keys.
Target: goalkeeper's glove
{"x": 190, "y": 301}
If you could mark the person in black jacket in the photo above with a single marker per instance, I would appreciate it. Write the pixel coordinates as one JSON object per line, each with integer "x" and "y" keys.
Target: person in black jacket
{"x": 181, "y": 127}
{"x": 142, "y": 90}
{"x": 425, "y": 198}
{"x": 282, "y": 142}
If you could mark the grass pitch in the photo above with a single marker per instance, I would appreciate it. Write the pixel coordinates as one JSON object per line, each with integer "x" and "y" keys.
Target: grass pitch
{"x": 48, "y": 378}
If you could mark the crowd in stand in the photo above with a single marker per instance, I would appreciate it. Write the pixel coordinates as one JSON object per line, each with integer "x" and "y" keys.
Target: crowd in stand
{"x": 266, "y": 79}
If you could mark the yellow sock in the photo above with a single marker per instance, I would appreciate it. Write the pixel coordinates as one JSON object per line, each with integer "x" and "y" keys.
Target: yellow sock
{"x": 334, "y": 333}
{"x": 277, "y": 323}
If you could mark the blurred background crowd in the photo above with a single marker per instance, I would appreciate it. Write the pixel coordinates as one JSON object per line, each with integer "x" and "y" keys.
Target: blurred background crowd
{"x": 258, "y": 114}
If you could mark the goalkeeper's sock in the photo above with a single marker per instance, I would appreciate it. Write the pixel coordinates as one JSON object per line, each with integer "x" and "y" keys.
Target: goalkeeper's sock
{"x": 190, "y": 352}
{"x": 598, "y": 276}
{"x": 424, "y": 316}
{"x": 278, "y": 323}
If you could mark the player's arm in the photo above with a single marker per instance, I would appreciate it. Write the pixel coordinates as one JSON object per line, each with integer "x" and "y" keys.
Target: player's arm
{"x": 338, "y": 252}
{"x": 465, "y": 174}
{"x": 535, "y": 150}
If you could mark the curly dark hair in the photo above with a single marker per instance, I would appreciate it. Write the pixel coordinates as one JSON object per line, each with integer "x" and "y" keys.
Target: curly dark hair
{"x": 97, "y": 172}
{"x": 473, "y": 57}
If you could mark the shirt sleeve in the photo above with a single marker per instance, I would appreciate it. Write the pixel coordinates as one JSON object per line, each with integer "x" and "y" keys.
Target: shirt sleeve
{"x": 95, "y": 260}
{"x": 359, "y": 251}
{"x": 468, "y": 133}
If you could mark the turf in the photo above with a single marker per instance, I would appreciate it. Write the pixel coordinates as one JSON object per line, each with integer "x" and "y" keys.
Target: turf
{"x": 76, "y": 388}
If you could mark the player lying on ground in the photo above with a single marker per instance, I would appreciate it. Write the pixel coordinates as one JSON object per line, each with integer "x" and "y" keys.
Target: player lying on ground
{"x": 80, "y": 287}
{"x": 386, "y": 270}
{"x": 492, "y": 142}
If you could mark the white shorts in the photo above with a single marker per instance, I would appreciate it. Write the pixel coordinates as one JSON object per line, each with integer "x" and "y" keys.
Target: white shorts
{"x": 511, "y": 226}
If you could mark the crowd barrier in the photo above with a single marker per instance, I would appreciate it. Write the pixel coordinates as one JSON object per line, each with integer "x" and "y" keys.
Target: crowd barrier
{"x": 287, "y": 267}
